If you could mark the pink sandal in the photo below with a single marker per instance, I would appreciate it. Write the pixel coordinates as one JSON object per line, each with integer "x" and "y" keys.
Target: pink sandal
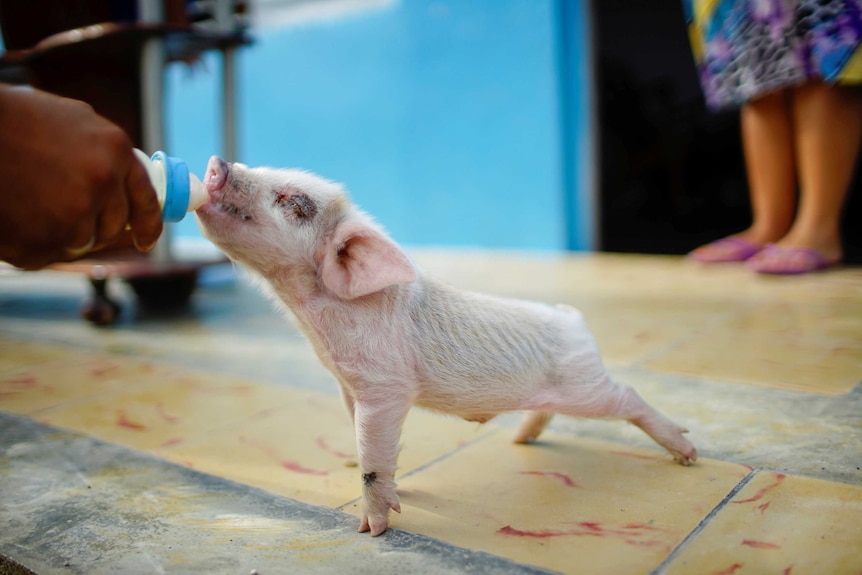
{"x": 733, "y": 250}
{"x": 789, "y": 261}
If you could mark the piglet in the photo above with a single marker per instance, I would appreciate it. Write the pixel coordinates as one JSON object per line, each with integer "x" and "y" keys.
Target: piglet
{"x": 394, "y": 337}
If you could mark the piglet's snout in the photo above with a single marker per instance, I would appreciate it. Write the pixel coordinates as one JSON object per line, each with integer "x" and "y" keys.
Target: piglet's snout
{"x": 216, "y": 176}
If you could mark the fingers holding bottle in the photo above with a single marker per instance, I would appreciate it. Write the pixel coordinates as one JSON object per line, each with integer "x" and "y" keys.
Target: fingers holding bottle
{"x": 144, "y": 211}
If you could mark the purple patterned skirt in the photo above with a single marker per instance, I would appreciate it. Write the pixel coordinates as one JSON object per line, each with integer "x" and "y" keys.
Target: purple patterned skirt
{"x": 747, "y": 48}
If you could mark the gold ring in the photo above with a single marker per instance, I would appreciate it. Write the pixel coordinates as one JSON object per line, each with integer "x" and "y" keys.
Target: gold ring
{"x": 75, "y": 252}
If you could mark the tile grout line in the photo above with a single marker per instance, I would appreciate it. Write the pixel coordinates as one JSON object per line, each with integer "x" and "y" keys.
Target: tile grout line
{"x": 449, "y": 454}
{"x": 703, "y": 523}
{"x": 428, "y": 464}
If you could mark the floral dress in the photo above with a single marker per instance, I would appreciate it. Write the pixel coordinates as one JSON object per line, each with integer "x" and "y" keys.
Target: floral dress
{"x": 747, "y": 48}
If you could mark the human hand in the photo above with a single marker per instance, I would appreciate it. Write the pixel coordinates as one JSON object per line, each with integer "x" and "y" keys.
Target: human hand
{"x": 69, "y": 181}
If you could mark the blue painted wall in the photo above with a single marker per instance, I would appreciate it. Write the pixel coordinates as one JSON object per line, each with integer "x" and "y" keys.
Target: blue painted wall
{"x": 445, "y": 120}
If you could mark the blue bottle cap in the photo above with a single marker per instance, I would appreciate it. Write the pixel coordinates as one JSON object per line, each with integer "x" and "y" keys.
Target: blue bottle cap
{"x": 177, "y": 187}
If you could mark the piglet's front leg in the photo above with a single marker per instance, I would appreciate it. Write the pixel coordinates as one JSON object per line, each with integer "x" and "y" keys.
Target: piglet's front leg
{"x": 378, "y": 429}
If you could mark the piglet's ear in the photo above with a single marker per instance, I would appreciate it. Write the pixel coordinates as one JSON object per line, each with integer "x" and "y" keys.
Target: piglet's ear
{"x": 359, "y": 261}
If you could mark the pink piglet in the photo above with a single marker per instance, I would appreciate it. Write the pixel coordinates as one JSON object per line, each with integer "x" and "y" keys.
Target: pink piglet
{"x": 394, "y": 337}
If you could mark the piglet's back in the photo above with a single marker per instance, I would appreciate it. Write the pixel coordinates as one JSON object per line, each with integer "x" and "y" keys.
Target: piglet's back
{"x": 476, "y": 338}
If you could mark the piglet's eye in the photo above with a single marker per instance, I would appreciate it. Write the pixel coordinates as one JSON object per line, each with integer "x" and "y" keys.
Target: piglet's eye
{"x": 298, "y": 205}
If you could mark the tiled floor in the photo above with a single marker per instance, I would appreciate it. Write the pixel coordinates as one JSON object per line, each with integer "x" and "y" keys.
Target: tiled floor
{"x": 764, "y": 371}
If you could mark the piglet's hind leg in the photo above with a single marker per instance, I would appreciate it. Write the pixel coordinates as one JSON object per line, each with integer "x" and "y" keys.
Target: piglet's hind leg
{"x": 665, "y": 432}
{"x": 614, "y": 401}
{"x": 532, "y": 426}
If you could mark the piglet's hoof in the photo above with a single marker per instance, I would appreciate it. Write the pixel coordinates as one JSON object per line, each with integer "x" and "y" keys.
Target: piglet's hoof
{"x": 685, "y": 457}
{"x": 376, "y": 525}
{"x": 681, "y": 448}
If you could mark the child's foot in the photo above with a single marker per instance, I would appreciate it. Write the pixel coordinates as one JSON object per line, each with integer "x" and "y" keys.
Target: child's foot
{"x": 799, "y": 253}
{"x": 779, "y": 260}
{"x": 729, "y": 249}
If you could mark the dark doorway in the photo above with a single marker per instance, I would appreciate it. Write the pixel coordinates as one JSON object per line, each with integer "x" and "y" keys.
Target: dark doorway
{"x": 672, "y": 174}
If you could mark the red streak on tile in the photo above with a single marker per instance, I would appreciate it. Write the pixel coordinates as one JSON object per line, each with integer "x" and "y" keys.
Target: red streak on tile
{"x": 629, "y": 530}
{"x": 763, "y": 506}
{"x": 635, "y": 455}
{"x": 124, "y": 421}
{"x": 100, "y": 371}
{"x": 779, "y": 477}
{"x": 760, "y": 544}
{"x": 591, "y": 525}
{"x": 567, "y": 481}
{"x": 643, "y": 526}
{"x": 22, "y": 380}
{"x": 544, "y": 534}
{"x": 294, "y": 466}
{"x": 730, "y": 570}
{"x": 286, "y": 463}
{"x": 322, "y": 444}
{"x": 588, "y": 528}
{"x": 788, "y": 570}
{"x": 629, "y": 534}
{"x": 165, "y": 415}
{"x": 173, "y": 441}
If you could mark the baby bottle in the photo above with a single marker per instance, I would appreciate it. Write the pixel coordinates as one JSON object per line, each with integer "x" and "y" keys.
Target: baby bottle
{"x": 179, "y": 190}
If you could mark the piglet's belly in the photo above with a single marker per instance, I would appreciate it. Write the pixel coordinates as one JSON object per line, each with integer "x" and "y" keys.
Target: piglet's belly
{"x": 479, "y": 400}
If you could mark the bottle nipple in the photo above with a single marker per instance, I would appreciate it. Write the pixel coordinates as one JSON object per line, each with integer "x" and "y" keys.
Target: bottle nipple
{"x": 178, "y": 190}
{"x": 198, "y": 194}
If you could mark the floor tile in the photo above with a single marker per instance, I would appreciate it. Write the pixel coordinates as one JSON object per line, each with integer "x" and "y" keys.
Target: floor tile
{"x": 16, "y": 354}
{"x": 171, "y": 408}
{"x": 780, "y": 524}
{"x": 629, "y": 331}
{"x": 82, "y": 506}
{"x": 686, "y": 335}
{"x": 568, "y": 504}
{"x": 306, "y": 449}
{"x": 782, "y": 345}
{"x": 303, "y": 449}
{"x": 70, "y": 375}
